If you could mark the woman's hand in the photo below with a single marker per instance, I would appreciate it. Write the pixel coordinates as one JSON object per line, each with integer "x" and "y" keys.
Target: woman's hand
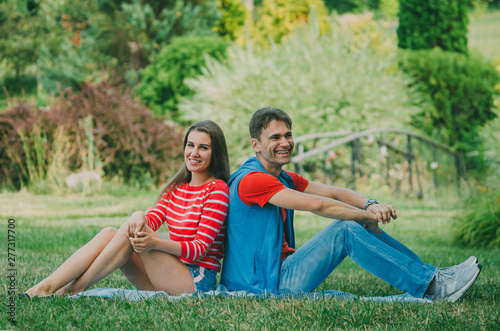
{"x": 135, "y": 224}
{"x": 143, "y": 242}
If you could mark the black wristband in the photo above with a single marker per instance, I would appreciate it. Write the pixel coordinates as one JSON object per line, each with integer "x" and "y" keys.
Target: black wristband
{"x": 370, "y": 202}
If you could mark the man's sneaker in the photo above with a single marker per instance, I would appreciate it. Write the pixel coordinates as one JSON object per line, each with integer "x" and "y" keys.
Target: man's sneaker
{"x": 451, "y": 285}
{"x": 467, "y": 263}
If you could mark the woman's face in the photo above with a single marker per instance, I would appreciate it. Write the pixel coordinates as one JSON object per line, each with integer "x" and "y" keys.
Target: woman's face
{"x": 198, "y": 151}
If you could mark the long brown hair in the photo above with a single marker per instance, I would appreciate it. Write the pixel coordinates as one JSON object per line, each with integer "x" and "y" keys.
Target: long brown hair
{"x": 219, "y": 162}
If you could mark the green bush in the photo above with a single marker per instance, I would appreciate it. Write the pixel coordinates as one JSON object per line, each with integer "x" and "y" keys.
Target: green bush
{"x": 479, "y": 224}
{"x": 461, "y": 89}
{"x": 429, "y": 24}
{"x": 337, "y": 81}
{"x": 39, "y": 145}
{"x": 162, "y": 84}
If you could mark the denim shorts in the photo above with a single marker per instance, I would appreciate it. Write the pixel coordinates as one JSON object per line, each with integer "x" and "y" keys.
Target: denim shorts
{"x": 204, "y": 279}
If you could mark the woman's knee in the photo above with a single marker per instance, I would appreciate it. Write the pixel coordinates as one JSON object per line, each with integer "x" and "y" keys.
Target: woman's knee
{"x": 108, "y": 233}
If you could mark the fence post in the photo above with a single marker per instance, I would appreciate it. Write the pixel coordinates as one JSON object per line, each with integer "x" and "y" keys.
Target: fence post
{"x": 298, "y": 166}
{"x": 325, "y": 168}
{"x": 359, "y": 156}
{"x": 459, "y": 173}
{"x": 410, "y": 155}
{"x": 353, "y": 163}
{"x": 420, "y": 193}
{"x": 434, "y": 167}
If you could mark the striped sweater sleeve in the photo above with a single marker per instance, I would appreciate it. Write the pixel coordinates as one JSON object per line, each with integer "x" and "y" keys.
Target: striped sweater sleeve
{"x": 158, "y": 214}
{"x": 213, "y": 216}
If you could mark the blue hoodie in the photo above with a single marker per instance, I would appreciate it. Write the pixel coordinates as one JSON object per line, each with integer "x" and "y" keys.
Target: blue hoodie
{"x": 254, "y": 238}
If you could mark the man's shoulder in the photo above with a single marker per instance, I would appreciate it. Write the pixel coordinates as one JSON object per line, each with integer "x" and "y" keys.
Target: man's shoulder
{"x": 258, "y": 179}
{"x": 259, "y": 175}
{"x": 250, "y": 165}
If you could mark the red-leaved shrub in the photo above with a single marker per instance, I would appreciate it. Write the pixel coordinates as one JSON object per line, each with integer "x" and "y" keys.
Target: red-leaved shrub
{"x": 128, "y": 139}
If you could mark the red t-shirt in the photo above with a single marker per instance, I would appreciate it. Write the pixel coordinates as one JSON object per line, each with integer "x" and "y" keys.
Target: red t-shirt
{"x": 257, "y": 187}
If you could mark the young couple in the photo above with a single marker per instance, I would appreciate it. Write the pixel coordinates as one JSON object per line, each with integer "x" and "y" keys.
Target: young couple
{"x": 258, "y": 233}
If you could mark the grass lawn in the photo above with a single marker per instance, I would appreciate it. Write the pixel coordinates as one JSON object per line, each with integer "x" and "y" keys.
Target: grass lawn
{"x": 49, "y": 228}
{"x": 484, "y": 33}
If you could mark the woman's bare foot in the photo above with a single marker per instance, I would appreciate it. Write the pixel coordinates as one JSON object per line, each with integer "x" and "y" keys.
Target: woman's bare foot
{"x": 39, "y": 291}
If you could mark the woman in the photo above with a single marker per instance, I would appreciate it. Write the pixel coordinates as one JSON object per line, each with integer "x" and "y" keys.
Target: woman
{"x": 194, "y": 204}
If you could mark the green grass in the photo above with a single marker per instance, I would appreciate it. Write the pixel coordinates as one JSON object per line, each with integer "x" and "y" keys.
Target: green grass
{"x": 49, "y": 228}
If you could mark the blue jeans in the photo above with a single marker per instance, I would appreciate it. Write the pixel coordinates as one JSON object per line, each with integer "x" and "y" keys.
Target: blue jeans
{"x": 379, "y": 254}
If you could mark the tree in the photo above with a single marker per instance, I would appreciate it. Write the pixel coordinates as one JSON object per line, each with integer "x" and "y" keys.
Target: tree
{"x": 277, "y": 18}
{"x": 19, "y": 26}
{"x": 232, "y": 23}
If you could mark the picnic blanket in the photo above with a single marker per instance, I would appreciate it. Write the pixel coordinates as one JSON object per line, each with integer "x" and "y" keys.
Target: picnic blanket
{"x": 221, "y": 290}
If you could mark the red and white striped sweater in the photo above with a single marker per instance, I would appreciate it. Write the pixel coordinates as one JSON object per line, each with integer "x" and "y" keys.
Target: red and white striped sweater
{"x": 195, "y": 217}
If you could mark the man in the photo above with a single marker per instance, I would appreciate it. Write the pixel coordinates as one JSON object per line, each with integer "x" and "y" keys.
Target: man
{"x": 260, "y": 254}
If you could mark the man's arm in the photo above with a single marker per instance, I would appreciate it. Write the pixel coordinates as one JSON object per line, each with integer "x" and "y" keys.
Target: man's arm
{"x": 323, "y": 206}
{"x": 384, "y": 212}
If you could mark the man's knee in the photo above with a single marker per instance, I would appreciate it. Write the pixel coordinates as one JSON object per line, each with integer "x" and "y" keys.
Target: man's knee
{"x": 351, "y": 224}
{"x": 340, "y": 224}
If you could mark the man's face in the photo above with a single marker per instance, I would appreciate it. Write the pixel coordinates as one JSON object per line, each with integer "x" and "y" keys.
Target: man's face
{"x": 275, "y": 146}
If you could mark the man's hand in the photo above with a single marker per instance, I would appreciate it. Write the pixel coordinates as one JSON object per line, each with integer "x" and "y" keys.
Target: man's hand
{"x": 383, "y": 212}
{"x": 374, "y": 227}
{"x": 143, "y": 242}
{"x": 371, "y": 222}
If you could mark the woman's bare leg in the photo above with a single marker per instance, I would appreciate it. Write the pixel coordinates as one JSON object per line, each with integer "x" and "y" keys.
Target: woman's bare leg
{"x": 108, "y": 251}
{"x": 118, "y": 254}
{"x": 155, "y": 270}
{"x": 167, "y": 273}
{"x": 133, "y": 270}
{"x": 75, "y": 265}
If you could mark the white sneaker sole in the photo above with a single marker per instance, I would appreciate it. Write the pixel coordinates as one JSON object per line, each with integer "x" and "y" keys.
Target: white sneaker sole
{"x": 457, "y": 295}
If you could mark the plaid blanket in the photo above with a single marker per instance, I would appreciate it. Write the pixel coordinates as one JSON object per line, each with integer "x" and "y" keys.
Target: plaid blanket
{"x": 220, "y": 290}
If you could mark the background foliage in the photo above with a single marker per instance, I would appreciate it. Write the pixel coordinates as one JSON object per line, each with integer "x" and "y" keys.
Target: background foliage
{"x": 462, "y": 90}
{"x": 126, "y": 140}
{"x": 352, "y": 6}
{"x": 428, "y": 24}
{"x": 343, "y": 80}
{"x": 162, "y": 85}
{"x": 277, "y": 18}
{"x": 479, "y": 226}
{"x": 232, "y": 23}
{"x": 65, "y": 42}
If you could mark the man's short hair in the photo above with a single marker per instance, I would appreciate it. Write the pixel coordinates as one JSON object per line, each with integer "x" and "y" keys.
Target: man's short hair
{"x": 263, "y": 116}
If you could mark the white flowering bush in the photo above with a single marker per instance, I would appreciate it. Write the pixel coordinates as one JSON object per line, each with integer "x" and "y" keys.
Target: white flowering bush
{"x": 344, "y": 80}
